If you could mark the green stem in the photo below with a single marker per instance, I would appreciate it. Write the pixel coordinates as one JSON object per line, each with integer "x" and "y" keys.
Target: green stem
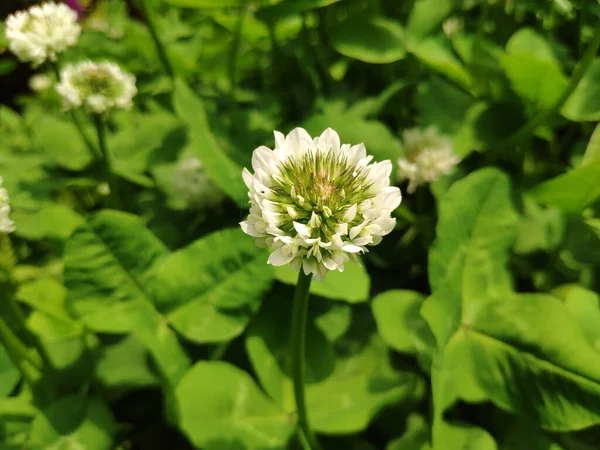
{"x": 75, "y": 119}
{"x": 113, "y": 197}
{"x": 19, "y": 353}
{"x": 545, "y": 114}
{"x": 160, "y": 48}
{"x": 299, "y": 316}
{"x": 235, "y": 49}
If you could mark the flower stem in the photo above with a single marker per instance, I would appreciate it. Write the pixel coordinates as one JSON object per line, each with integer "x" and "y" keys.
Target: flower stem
{"x": 88, "y": 142}
{"x": 19, "y": 353}
{"x": 299, "y": 315}
{"x": 113, "y": 197}
{"x": 545, "y": 114}
{"x": 160, "y": 48}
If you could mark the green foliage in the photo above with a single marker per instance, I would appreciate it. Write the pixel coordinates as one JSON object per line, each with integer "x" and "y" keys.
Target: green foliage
{"x": 149, "y": 319}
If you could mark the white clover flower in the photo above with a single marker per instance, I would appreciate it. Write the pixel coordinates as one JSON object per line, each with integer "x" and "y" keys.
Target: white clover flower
{"x": 192, "y": 184}
{"x": 428, "y": 156}
{"x": 98, "y": 87}
{"x": 6, "y": 225}
{"x": 317, "y": 203}
{"x": 42, "y": 32}
{"x": 39, "y": 82}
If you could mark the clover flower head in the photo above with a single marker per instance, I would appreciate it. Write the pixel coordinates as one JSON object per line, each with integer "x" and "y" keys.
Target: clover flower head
{"x": 6, "y": 225}
{"x": 97, "y": 87}
{"x": 192, "y": 184}
{"x": 428, "y": 155}
{"x": 317, "y": 203}
{"x": 41, "y": 32}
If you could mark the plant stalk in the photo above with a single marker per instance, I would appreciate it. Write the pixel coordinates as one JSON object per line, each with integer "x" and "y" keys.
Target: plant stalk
{"x": 160, "y": 48}
{"x": 298, "y": 348}
{"x": 545, "y": 114}
{"x": 19, "y": 353}
{"x": 113, "y": 197}
{"x": 88, "y": 142}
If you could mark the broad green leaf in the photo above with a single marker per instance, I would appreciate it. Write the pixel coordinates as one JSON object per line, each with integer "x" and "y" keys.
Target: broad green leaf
{"x": 73, "y": 423}
{"x": 399, "y": 322}
{"x": 342, "y": 395}
{"x": 426, "y": 18}
{"x": 286, "y": 8}
{"x": 218, "y": 4}
{"x": 462, "y": 436}
{"x": 209, "y": 290}
{"x": 63, "y": 338}
{"x": 125, "y": 366}
{"x": 54, "y": 221}
{"x": 537, "y": 81}
{"x": 540, "y": 229}
{"x": 351, "y": 285}
{"x": 220, "y": 406}
{"x": 9, "y": 374}
{"x": 477, "y": 226}
{"x": 527, "y": 41}
{"x": 375, "y": 40}
{"x": 521, "y": 434}
{"x": 442, "y": 104}
{"x": 592, "y": 152}
{"x": 439, "y": 57}
{"x": 584, "y": 306}
{"x": 572, "y": 191}
{"x": 106, "y": 273}
{"x": 416, "y": 436}
{"x": 60, "y": 140}
{"x": 584, "y": 103}
{"x": 335, "y": 321}
{"x": 378, "y": 139}
{"x": 224, "y": 172}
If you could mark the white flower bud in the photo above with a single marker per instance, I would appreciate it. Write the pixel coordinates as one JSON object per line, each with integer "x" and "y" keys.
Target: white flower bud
{"x": 6, "y": 225}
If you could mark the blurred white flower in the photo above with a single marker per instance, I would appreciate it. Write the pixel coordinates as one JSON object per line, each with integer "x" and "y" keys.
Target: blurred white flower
{"x": 318, "y": 203}
{"x": 42, "y": 32}
{"x": 193, "y": 186}
{"x": 39, "y": 82}
{"x": 6, "y": 225}
{"x": 98, "y": 87}
{"x": 452, "y": 26}
{"x": 428, "y": 155}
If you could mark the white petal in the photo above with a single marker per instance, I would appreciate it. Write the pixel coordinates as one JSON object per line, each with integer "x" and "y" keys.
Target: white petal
{"x": 280, "y": 257}
{"x": 279, "y": 139}
{"x": 329, "y": 140}
{"x": 350, "y": 213}
{"x": 351, "y": 248}
{"x": 262, "y": 158}
{"x": 298, "y": 139}
{"x": 302, "y": 229}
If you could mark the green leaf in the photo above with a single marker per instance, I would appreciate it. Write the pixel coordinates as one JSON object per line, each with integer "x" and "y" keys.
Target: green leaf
{"x": 584, "y": 103}
{"x": 218, "y": 4}
{"x": 125, "y": 367}
{"x": 537, "y": 81}
{"x": 416, "y": 436}
{"x": 527, "y": 41}
{"x": 285, "y": 8}
{"x": 462, "y": 436}
{"x": 584, "y": 306}
{"x": 60, "y": 140}
{"x": 426, "y": 18}
{"x": 572, "y": 191}
{"x": 106, "y": 273}
{"x": 220, "y": 406}
{"x": 477, "y": 226}
{"x": 223, "y": 171}
{"x": 209, "y": 290}
{"x": 353, "y": 129}
{"x": 54, "y": 221}
{"x": 375, "y": 40}
{"x": 399, "y": 322}
{"x": 73, "y": 423}
{"x": 540, "y": 229}
{"x": 437, "y": 54}
{"x": 9, "y": 374}
{"x": 342, "y": 396}
{"x": 351, "y": 285}
{"x": 592, "y": 152}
